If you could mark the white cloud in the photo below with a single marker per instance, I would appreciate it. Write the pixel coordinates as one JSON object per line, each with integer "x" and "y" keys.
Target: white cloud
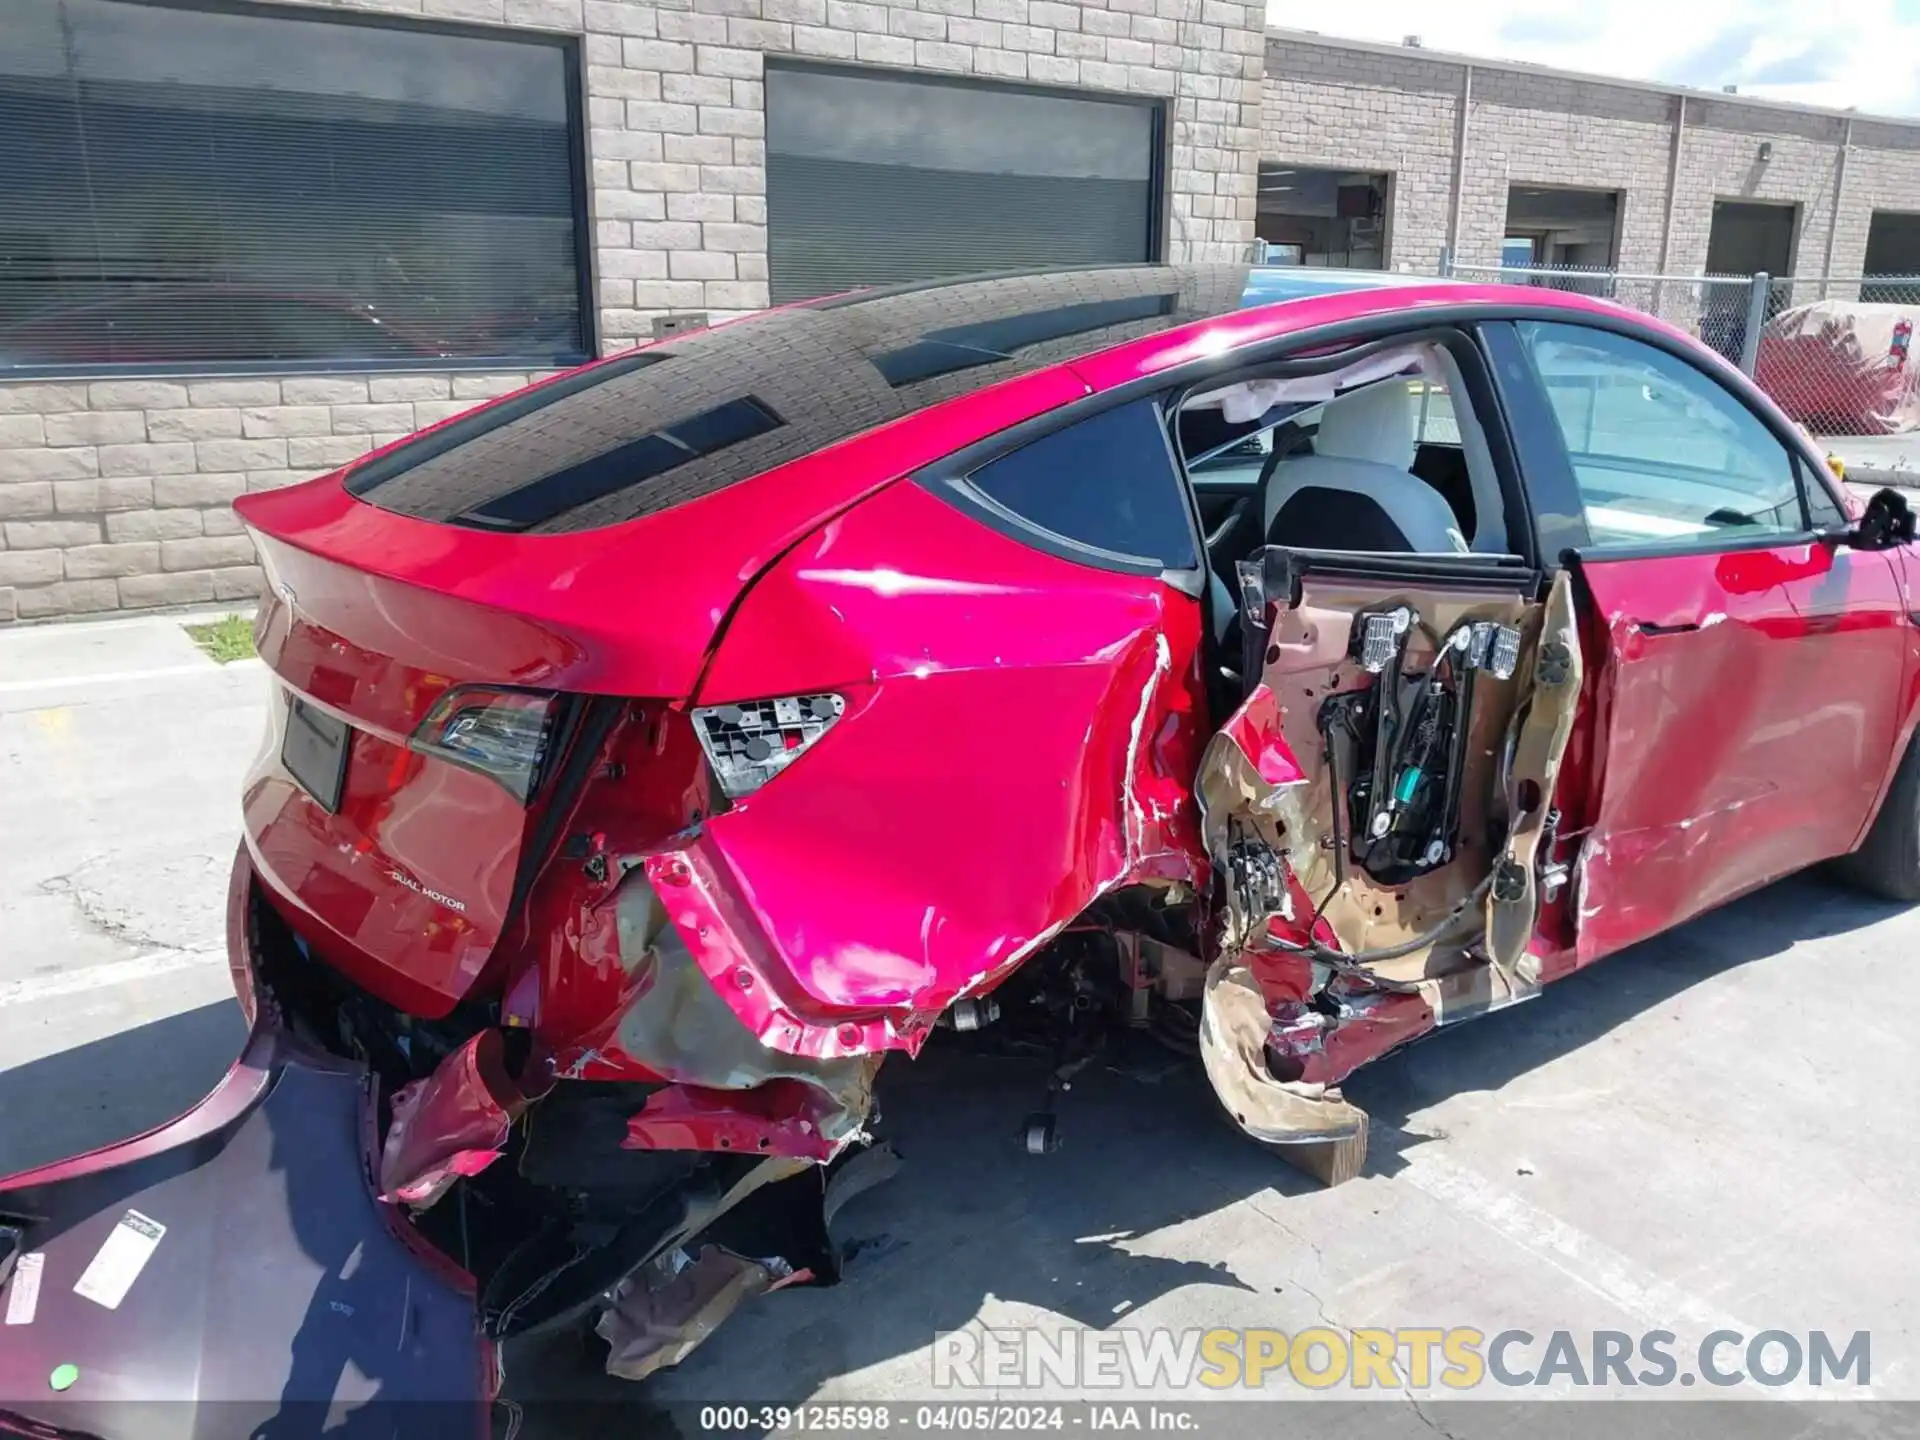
{"x": 1839, "y": 53}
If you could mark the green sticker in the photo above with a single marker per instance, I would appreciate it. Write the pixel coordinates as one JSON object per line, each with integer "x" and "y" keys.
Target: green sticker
{"x": 63, "y": 1376}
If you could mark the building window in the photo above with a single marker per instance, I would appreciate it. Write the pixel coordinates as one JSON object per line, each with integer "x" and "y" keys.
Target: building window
{"x": 215, "y": 187}
{"x": 1326, "y": 217}
{"x": 879, "y": 179}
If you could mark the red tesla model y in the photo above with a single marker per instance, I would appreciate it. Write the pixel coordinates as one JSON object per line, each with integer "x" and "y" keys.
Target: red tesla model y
{"x": 1280, "y": 663}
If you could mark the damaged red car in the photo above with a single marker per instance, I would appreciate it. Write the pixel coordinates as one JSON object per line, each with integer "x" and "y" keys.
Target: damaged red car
{"x": 1282, "y": 664}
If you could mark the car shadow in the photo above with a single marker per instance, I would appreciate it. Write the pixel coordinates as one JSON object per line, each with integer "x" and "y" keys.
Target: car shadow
{"x": 971, "y": 1217}
{"x": 1575, "y": 1011}
{"x": 110, "y": 1089}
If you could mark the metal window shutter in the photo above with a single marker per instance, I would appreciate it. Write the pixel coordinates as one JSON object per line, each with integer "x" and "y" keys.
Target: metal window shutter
{"x": 835, "y": 225}
{"x": 878, "y": 177}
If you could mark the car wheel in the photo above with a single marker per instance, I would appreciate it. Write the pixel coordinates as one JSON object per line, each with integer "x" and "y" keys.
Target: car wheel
{"x": 1888, "y": 860}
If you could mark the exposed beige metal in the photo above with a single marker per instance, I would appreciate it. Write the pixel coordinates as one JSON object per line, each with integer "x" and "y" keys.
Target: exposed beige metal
{"x": 1517, "y": 738}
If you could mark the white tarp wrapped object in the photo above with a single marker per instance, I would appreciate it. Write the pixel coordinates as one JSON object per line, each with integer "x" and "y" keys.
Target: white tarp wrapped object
{"x": 1843, "y": 367}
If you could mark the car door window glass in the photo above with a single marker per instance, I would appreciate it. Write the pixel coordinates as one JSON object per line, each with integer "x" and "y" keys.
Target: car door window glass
{"x": 1662, "y": 453}
{"x": 1107, "y": 482}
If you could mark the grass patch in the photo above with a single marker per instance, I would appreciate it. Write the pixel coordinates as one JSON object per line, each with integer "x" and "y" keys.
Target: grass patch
{"x": 225, "y": 640}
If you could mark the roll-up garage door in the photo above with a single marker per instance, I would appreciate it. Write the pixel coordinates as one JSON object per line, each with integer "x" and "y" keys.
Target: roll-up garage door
{"x": 877, "y": 179}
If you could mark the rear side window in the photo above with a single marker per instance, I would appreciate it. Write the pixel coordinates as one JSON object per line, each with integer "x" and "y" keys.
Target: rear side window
{"x": 1107, "y": 483}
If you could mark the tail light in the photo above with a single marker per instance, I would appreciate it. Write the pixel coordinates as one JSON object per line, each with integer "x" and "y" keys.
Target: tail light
{"x": 749, "y": 743}
{"x": 502, "y": 734}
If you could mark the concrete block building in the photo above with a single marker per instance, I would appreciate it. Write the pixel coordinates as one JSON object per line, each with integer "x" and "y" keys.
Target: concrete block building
{"x": 243, "y": 243}
{"x": 1491, "y": 162}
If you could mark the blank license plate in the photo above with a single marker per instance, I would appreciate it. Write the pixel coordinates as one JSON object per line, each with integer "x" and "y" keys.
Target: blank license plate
{"x": 315, "y": 752}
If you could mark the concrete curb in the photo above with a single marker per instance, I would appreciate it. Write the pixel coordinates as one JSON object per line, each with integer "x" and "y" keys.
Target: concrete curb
{"x": 1875, "y": 477}
{"x": 195, "y": 614}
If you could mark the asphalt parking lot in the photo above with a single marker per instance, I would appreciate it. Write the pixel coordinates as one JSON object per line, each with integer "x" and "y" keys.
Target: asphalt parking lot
{"x": 1712, "y": 1131}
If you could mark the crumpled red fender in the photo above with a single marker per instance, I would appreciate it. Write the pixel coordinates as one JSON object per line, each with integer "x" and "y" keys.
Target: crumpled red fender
{"x": 454, "y": 1122}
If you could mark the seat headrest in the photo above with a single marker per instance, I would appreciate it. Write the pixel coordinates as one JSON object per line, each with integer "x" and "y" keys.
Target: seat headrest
{"x": 1376, "y": 423}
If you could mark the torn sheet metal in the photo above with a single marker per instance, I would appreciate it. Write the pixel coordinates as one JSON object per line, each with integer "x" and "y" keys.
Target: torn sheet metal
{"x": 1276, "y": 786}
{"x": 1234, "y": 1026}
{"x": 781, "y": 1117}
{"x": 679, "y": 1026}
{"x": 1310, "y": 661}
{"x": 727, "y": 1090}
{"x": 454, "y": 1122}
{"x": 661, "y": 1314}
{"x": 664, "y": 1311}
{"x": 1541, "y": 730}
{"x": 1322, "y": 1046}
{"x": 1278, "y": 731}
{"x": 1250, "y": 812}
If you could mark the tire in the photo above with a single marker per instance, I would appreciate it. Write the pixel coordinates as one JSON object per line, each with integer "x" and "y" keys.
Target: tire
{"x": 1888, "y": 860}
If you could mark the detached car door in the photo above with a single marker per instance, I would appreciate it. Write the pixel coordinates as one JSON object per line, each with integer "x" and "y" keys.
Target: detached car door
{"x": 1746, "y": 672}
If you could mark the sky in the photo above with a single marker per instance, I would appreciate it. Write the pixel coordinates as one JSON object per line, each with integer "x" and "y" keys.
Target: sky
{"x": 1859, "y": 53}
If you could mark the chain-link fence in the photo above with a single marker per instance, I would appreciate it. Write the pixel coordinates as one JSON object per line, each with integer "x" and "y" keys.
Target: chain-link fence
{"x": 1718, "y": 309}
{"x": 1835, "y": 353}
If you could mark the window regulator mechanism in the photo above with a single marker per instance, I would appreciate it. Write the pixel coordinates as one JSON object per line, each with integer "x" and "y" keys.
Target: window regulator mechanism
{"x": 1406, "y": 808}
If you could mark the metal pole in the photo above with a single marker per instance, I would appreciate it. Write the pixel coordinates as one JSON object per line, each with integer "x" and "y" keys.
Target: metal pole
{"x": 1756, "y": 318}
{"x": 1833, "y": 222}
{"x": 1673, "y": 197}
{"x": 1460, "y": 151}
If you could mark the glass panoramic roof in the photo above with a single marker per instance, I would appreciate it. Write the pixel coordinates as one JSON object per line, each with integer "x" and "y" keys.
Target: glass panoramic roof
{"x": 660, "y": 426}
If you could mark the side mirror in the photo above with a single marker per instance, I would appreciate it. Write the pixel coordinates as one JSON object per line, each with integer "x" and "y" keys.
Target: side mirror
{"x": 1888, "y": 521}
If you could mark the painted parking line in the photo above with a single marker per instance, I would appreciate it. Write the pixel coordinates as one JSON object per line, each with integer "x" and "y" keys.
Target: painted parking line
{"x": 37, "y": 988}
{"x": 118, "y": 677}
{"x": 1590, "y": 1263}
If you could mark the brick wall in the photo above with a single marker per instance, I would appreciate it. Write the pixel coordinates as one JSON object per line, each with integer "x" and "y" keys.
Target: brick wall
{"x": 676, "y": 116}
{"x": 1550, "y": 130}
{"x": 1358, "y": 106}
{"x": 1326, "y": 105}
{"x": 1882, "y": 173}
{"x": 115, "y": 494}
{"x": 1720, "y": 161}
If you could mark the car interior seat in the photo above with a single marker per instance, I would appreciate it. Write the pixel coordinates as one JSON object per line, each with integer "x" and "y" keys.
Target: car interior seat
{"x": 1357, "y": 490}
